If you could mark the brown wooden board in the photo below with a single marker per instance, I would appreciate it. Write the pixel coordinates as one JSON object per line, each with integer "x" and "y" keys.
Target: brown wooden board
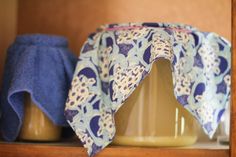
{"x": 233, "y": 89}
{"x": 44, "y": 150}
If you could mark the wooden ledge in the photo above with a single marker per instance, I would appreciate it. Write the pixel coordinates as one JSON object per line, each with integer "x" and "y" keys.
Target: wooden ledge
{"x": 73, "y": 150}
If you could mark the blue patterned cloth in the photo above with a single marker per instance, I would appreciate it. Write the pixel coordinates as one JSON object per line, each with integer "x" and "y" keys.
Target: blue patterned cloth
{"x": 115, "y": 59}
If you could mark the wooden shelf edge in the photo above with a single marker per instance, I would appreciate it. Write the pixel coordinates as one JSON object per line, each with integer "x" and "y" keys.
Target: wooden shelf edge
{"x": 44, "y": 150}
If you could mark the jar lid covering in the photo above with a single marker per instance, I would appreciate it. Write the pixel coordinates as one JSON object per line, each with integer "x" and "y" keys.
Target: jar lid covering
{"x": 116, "y": 58}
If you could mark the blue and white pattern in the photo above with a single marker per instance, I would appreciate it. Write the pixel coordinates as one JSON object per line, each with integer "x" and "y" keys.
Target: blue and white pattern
{"x": 115, "y": 59}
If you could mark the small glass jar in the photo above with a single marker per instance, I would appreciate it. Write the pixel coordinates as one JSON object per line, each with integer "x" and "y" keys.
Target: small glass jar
{"x": 36, "y": 125}
{"x": 152, "y": 116}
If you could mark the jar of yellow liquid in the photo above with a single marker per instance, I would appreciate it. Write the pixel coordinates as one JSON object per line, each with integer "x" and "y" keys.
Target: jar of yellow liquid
{"x": 36, "y": 125}
{"x": 152, "y": 116}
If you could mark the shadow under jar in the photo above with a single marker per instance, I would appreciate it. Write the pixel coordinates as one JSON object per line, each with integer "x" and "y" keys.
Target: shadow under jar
{"x": 152, "y": 116}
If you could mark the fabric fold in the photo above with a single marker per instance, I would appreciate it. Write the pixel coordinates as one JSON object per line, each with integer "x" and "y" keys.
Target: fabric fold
{"x": 116, "y": 58}
{"x": 43, "y": 66}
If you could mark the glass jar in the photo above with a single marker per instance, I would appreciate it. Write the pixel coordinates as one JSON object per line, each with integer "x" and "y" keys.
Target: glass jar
{"x": 152, "y": 116}
{"x": 224, "y": 127}
{"x": 36, "y": 125}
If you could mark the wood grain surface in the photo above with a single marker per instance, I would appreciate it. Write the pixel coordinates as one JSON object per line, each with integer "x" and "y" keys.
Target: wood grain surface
{"x": 42, "y": 150}
{"x": 75, "y": 19}
{"x": 233, "y": 89}
{"x": 8, "y": 28}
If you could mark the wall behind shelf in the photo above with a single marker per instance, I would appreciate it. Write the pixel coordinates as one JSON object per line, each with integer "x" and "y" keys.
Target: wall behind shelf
{"x": 8, "y": 24}
{"x": 75, "y": 19}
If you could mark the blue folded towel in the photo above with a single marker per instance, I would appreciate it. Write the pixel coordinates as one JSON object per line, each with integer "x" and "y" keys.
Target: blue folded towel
{"x": 43, "y": 66}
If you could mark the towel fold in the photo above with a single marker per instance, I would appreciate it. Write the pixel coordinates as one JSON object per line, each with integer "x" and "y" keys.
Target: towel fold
{"x": 43, "y": 66}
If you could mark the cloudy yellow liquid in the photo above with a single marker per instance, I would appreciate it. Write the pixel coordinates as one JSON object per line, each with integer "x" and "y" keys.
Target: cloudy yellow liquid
{"x": 36, "y": 125}
{"x": 152, "y": 116}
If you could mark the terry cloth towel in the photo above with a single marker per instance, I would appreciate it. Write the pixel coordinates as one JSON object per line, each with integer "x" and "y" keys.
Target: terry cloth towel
{"x": 115, "y": 59}
{"x": 43, "y": 66}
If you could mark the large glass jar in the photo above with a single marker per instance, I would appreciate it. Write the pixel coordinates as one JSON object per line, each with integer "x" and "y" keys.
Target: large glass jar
{"x": 152, "y": 116}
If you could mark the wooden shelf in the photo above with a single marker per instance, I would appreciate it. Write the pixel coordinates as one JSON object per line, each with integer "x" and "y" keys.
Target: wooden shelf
{"x": 76, "y": 19}
{"x": 19, "y": 149}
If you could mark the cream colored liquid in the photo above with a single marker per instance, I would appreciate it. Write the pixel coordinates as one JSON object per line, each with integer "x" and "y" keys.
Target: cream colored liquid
{"x": 36, "y": 125}
{"x": 152, "y": 116}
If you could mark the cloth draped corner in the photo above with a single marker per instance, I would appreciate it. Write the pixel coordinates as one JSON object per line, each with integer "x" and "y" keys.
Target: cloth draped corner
{"x": 116, "y": 58}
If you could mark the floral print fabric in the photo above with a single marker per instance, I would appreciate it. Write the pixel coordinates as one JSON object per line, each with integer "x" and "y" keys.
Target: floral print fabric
{"x": 116, "y": 58}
